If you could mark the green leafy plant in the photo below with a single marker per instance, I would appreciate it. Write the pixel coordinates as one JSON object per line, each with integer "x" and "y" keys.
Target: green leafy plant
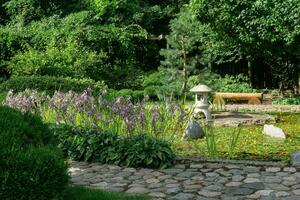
{"x": 287, "y": 101}
{"x": 235, "y": 135}
{"x": 211, "y": 143}
{"x": 133, "y": 151}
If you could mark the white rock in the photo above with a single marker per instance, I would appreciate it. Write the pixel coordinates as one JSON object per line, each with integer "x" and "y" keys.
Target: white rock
{"x": 274, "y": 131}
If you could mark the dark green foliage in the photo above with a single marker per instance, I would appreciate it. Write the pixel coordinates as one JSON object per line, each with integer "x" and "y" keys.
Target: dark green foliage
{"x": 24, "y": 129}
{"x": 30, "y": 166}
{"x": 256, "y": 32}
{"x": 34, "y": 173}
{"x": 133, "y": 151}
{"x": 49, "y": 84}
{"x": 163, "y": 83}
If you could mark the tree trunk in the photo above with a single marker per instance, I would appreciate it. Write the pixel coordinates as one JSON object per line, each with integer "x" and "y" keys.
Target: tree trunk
{"x": 296, "y": 81}
{"x": 250, "y": 71}
{"x": 184, "y": 71}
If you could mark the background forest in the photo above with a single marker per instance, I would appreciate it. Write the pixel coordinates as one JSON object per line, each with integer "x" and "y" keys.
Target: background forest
{"x": 154, "y": 47}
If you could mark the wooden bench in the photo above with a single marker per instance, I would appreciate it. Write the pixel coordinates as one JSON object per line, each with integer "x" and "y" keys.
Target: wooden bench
{"x": 252, "y": 98}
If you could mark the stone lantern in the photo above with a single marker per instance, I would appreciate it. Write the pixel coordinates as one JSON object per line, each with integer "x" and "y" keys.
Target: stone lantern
{"x": 201, "y": 100}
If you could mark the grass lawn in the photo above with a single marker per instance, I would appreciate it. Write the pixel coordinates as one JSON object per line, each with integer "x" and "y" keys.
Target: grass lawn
{"x": 81, "y": 193}
{"x": 252, "y": 144}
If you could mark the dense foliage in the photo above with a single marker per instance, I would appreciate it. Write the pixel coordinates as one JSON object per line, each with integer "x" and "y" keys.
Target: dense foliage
{"x": 31, "y": 167}
{"x": 287, "y": 101}
{"x": 50, "y": 84}
{"x": 134, "y": 151}
{"x": 115, "y": 41}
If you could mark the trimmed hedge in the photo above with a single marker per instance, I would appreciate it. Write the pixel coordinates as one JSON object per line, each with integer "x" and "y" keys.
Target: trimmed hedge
{"x": 30, "y": 166}
{"x": 50, "y": 84}
{"x": 132, "y": 151}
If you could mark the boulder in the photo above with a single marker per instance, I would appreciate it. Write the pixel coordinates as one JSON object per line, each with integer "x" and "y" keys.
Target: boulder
{"x": 295, "y": 159}
{"x": 274, "y": 131}
{"x": 193, "y": 131}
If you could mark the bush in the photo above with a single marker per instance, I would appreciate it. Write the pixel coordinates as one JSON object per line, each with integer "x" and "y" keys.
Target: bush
{"x": 34, "y": 173}
{"x": 163, "y": 83}
{"x": 287, "y": 101}
{"x": 30, "y": 166}
{"x": 145, "y": 151}
{"x": 26, "y": 129}
{"x": 49, "y": 84}
{"x": 132, "y": 151}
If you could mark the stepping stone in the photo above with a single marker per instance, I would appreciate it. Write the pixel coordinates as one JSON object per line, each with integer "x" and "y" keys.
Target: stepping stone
{"x": 255, "y": 186}
{"x": 207, "y": 193}
{"x": 183, "y": 196}
{"x": 236, "y": 191}
{"x": 138, "y": 190}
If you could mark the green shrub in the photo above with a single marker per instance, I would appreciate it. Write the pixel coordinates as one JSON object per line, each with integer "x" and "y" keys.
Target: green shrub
{"x": 30, "y": 166}
{"x": 145, "y": 151}
{"x": 163, "y": 83}
{"x": 134, "y": 95}
{"x": 26, "y": 129}
{"x": 49, "y": 84}
{"x": 84, "y": 144}
{"x": 34, "y": 173}
{"x": 287, "y": 101}
{"x": 132, "y": 151}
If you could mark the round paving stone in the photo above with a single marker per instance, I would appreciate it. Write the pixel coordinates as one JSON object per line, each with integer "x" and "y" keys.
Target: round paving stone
{"x": 273, "y": 169}
{"x": 183, "y": 196}
{"x": 255, "y": 186}
{"x": 157, "y": 194}
{"x": 173, "y": 190}
{"x": 233, "y": 184}
{"x": 237, "y": 191}
{"x": 296, "y": 192}
{"x": 152, "y": 180}
{"x": 138, "y": 190}
{"x": 207, "y": 193}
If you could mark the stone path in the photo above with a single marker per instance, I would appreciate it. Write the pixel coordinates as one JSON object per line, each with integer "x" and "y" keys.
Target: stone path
{"x": 195, "y": 181}
{"x": 239, "y": 118}
{"x": 263, "y": 108}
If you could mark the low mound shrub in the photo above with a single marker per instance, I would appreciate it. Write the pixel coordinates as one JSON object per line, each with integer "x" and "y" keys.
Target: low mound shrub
{"x": 31, "y": 167}
{"x": 34, "y": 173}
{"x": 50, "y": 84}
{"x": 131, "y": 151}
{"x": 26, "y": 129}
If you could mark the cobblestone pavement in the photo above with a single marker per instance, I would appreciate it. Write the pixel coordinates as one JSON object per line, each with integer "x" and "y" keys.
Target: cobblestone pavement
{"x": 195, "y": 181}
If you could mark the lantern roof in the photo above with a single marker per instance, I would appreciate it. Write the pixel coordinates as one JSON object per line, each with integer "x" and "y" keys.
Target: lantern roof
{"x": 201, "y": 88}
